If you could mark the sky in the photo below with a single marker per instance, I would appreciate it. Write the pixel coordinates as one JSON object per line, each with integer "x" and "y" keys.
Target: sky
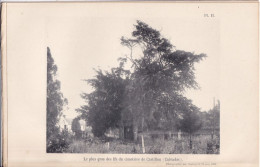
{"x": 81, "y": 44}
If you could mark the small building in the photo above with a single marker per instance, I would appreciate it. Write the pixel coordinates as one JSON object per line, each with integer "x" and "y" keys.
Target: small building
{"x": 65, "y": 123}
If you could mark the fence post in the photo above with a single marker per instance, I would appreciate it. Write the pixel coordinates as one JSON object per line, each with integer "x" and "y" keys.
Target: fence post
{"x": 143, "y": 148}
{"x": 108, "y": 145}
{"x": 179, "y": 135}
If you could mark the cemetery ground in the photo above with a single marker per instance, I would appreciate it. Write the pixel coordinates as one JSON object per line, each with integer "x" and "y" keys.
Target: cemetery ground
{"x": 201, "y": 144}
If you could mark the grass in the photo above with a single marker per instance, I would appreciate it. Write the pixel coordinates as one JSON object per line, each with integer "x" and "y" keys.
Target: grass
{"x": 200, "y": 145}
{"x": 115, "y": 146}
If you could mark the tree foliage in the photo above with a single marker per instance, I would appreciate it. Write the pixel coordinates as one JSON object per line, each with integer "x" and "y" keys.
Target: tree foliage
{"x": 105, "y": 103}
{"x": 162, "y": 72}
{"x": 214, "y": 118}
{"x": 190, "y": 122}
{"x": 55, "y": 101}
{"x": 161, "y": 67}
{"x": 151, "y": 94}
{"x": 75, "y": 127}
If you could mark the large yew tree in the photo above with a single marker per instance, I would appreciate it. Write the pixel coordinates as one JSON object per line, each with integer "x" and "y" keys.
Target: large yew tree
{"x": 151, "y": 92}
{"x": 161, "y": 72}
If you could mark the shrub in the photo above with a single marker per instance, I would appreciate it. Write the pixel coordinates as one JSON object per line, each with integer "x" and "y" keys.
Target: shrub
{"x": 59, "y": 143}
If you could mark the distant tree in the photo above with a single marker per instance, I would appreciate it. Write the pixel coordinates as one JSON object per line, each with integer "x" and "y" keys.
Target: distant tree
{"x": 55, "y": 103}
{"x": 75, "y": 127}
{"x": 214, "y": 119}
{"x": 161, "y": 69}
{"x": 191, "y": 121}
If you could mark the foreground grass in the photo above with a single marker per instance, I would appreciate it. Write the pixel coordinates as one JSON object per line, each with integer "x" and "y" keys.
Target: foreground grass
{"x": 200, "y": 145}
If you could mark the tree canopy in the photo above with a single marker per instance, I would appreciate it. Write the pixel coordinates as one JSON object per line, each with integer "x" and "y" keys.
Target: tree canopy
{"x": 105, "y": 103}
{"x": 152, "y": 93}
{"x": 55, "y": 100}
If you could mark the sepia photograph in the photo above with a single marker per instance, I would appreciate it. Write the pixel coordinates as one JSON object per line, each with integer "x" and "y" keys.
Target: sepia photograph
{"x": 150, "y": 84}
{"x": 132, "y": 86}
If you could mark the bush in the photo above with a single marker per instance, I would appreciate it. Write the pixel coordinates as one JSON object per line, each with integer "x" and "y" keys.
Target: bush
{"x": 59, "y": 143}
{"x": 213, "y": 146}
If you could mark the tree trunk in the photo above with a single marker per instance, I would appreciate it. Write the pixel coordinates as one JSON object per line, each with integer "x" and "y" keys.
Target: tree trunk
{"x": 135, "y": 129}
{"x": 121, "y": 130}
{"x": 121, "y": 127}
{"x": 190, "y": 142}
